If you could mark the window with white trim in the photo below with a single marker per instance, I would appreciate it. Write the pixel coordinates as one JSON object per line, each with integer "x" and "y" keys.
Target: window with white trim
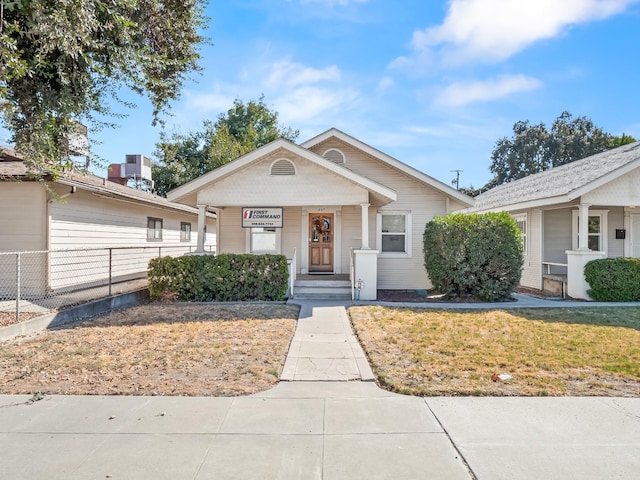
{"x": 521, "y": 221}
{"x": 394, "y": 233}
{"x": 596, "y": 230}
{"x": 154, "y": 229}
{"x": 264, "y": 240}
{"x": 185, "y": 232}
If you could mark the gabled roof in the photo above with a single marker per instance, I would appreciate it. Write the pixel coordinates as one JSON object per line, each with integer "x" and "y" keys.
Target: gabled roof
{"x": 403, "y": 167}
{"x": 562, "y": 184}
{"x": 201, "y": 182}
{"x": 12, "y": 167}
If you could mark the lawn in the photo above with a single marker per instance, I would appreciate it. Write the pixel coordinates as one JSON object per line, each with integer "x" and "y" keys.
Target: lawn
{"x": 560, "y": 351}
{"x": 157, "y": 349}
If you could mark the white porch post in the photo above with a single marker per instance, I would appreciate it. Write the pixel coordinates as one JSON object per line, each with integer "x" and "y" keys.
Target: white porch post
{"x": 583, "y": 227}
{"x": 365, "y": 226}
{"x": 577, "y": 285}
{"x": 202, "y": 221}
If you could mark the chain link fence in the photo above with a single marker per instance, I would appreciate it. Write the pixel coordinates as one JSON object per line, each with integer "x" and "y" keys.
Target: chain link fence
{"x": 35, "y": 283}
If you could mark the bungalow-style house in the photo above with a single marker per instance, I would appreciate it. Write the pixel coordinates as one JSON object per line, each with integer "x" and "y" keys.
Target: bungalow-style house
{"x": 598, "y": 195}
{"x": 81, "y": 212}
{"x": 339, "y": 209}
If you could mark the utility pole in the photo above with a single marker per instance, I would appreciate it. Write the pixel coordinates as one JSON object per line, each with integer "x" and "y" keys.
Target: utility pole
{"x": 456, "y": 181}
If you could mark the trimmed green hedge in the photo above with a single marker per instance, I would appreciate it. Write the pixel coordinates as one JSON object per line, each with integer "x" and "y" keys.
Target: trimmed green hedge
{"x": 220, "y": 278}
{"x": 474, "y": 254}
{"x": 613, "y": 279}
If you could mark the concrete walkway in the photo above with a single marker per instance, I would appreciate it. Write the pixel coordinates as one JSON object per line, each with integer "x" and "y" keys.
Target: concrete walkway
{"x": 324, "y": 347}
{"x": 318, "y": 428}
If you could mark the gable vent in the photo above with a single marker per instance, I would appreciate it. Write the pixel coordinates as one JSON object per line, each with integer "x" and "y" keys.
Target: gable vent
{"x": 283, "y": 167}
{"x": 335, "y": 156}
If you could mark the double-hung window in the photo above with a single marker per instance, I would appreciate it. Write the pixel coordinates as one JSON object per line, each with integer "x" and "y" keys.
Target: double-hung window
{"x": 185, "y": 232}
{"x": 394, "y": 233}
{"x": 521, "y": 221}
{"x": 154, "y": 229}
{"x": 596, "y": 230}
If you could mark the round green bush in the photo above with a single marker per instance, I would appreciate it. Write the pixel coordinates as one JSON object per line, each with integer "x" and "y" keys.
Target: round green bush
{"x": 613, "y": 279}
{"x": 474, "y": 254}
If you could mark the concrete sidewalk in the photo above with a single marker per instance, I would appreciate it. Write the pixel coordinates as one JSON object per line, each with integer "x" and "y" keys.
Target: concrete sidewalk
{"x": 325, "y": 430}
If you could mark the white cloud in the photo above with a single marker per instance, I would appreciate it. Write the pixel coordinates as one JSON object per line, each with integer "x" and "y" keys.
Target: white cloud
{"x": 464, "y": 93}
{"x": 494, "y": 30}
{"x": 210, "y": 101}
{"x": 308, "y": 103}
{"x": 291, "y": 74}
{"x": 385, "y": 83}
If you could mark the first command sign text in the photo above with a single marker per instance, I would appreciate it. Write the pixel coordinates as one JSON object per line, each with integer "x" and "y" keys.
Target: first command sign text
{"x": 262, "y": 217}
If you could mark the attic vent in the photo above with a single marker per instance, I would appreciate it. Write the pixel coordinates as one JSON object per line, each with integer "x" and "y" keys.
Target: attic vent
{"x": 333, "y": 155}
{"x": 283, "y": 167}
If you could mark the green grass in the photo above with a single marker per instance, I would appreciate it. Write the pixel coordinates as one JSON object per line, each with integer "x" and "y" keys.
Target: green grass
{"x": 560, "y": 351}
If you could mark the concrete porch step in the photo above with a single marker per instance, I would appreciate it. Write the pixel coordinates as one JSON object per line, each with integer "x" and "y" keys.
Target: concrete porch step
{"x": 329, "y": 289}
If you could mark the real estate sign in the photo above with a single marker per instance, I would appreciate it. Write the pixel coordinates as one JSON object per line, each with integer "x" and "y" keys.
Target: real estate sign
{"x": 271, "y": 217}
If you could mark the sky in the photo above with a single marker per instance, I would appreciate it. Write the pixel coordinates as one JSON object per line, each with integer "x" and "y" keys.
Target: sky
{"x": 434, "y": 84}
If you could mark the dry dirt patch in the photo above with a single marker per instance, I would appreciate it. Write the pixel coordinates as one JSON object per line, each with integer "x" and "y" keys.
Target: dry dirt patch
{"x": 561, "y": 351}
{"x": 156, "y": 349}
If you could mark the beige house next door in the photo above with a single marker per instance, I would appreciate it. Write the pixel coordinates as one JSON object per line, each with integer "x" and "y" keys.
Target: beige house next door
{"x": 321, "y": 234}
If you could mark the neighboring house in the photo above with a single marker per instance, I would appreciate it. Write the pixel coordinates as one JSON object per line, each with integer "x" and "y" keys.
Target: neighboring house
{"x": 599, "y": 195}
{"x": 87, "y": 212}
{"x": 333, "y": 205}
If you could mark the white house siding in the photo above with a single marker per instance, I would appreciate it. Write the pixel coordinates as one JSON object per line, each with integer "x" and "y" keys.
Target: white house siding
{"x": 233, "y": 237}
{"x": 311, "y": 185}
{"x": 291, "y": 233}
{"x": 624, "y": 191}
{"x": 557, "y": 235}
{"x": 615, "y": 219}
{"x": 423, "y": 201}
{"x": 532, "y": 266}
{"x": 23, "y": 229}
{"x": 351, "y": 233}
{"x": 86, "y": 221}
{"x": 23, "y": 216}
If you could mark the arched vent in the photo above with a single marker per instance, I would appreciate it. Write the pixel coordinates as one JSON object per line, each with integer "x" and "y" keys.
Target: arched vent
{"x": 283, "y": 167}
{"x": 333, "y": 155}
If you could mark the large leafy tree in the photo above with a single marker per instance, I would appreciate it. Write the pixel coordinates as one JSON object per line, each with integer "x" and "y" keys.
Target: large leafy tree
{"x": 243, "y": 128}
{"x": 64, "y": 61}
{"x": 534, "y": 148}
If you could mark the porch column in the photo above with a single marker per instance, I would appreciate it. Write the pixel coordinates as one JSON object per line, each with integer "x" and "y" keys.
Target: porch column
{"x": 202, "y": 221}
{"x": 583, "y": 227}
{"x": 365, "y": 226}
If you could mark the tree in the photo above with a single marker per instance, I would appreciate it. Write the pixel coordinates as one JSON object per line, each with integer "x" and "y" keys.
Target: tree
{"x": 62, "y": 61}
{"x": 243, "y": 128}
{"x": 533, "y": 148}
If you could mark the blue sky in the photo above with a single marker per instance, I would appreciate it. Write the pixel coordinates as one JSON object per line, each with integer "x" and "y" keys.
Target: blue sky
{"x": 432, "y": 83}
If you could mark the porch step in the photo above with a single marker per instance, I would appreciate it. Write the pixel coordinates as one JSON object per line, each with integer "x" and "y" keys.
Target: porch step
{"x": 322, "y": 289}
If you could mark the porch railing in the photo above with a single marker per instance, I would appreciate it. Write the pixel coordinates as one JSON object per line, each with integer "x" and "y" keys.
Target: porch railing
{"x": 36, "y": 282}
{"x": 352, "y": 276}
{"x": 553, "y": 268}
{"x": 293, "y": 267}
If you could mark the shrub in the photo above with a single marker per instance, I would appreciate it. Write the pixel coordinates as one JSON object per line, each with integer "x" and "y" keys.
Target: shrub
{"x": 613, "y": 279}
{"x": 228, "y": 277}
{"x": 474, "y": 254}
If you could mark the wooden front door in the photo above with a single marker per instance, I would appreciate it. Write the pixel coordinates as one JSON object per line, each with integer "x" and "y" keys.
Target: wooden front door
{"x": 321, "y": 230}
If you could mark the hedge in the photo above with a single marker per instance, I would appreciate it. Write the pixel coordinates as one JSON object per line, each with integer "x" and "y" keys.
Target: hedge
{"x": 474, "y": 254}
{"x": 226, "y": 277}
{"x": 613, "y": 279}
